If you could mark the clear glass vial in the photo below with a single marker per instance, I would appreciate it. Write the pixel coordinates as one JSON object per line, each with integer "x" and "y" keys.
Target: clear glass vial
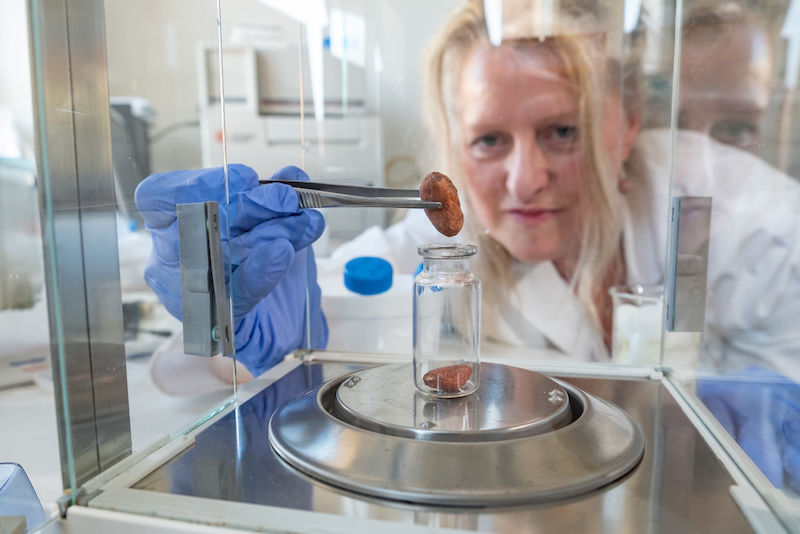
{"x": 447, "y": 322}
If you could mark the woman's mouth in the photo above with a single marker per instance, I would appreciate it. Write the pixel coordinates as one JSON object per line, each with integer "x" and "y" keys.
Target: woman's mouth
{"x": 530, "y": 216}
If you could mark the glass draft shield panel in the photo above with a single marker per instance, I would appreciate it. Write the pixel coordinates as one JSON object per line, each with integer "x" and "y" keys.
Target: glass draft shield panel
{"x": 59, "y": 330}
{"x": 90, "y": 293}
{"x": 30, "y": 477}
{"x": 172, "y": 214}
{"x": 30, "y": 474}
{"x": 734, "y": 144}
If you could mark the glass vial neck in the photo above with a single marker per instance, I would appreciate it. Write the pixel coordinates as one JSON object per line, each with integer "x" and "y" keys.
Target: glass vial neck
{"x": 446, "y": 265}
{"x": 452, "y": 258}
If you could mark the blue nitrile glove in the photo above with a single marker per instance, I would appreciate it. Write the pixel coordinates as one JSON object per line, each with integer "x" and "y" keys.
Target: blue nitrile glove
{"x": 761, "y": 410}
{"x": 271, "y": 260}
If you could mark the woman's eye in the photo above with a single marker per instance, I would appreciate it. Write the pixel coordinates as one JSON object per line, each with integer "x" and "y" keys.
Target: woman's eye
{"x": 741, "y": 133}
{"x": 566, "y": 132}
{"x": 488, "y": 140}
{"x": 559, "y": 137}
{"x": 488, "y": 144}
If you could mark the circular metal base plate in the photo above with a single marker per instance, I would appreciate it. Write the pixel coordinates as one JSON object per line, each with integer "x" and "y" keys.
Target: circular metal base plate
{"x": 510, "y": 403}
{"x": 600, "y": 444}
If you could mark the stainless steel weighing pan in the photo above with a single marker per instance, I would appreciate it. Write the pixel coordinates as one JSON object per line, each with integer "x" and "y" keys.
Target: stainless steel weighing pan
{"x": 522, "y": 438}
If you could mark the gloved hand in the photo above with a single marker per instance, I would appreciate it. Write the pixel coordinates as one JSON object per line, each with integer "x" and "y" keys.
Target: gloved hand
{"x": 761, "y": 410}
{"x": 272, "y": 263}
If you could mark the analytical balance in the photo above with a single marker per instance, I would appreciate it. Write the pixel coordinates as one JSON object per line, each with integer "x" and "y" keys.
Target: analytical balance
{"x": 343, "y": 436}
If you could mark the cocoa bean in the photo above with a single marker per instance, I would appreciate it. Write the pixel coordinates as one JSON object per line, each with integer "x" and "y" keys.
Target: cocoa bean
{"x": 448, "y": 379}
{"x": 437, "y": 187}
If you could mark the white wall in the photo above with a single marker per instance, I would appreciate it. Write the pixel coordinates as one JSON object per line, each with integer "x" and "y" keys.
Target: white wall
{"x": 152, "y": 47}
{"x": 152, "y": 52}
{"x": 15, "y": 82}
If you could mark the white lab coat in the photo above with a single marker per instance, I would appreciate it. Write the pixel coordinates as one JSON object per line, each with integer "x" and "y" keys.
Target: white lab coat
{"x": 753, "y": 296}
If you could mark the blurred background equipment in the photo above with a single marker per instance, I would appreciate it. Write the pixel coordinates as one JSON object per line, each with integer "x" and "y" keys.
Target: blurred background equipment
{"x": 271, "y": 123}
{"x": 131, "y": 118}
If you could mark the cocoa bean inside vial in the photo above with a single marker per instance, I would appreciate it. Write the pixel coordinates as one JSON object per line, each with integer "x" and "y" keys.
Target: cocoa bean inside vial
{"x": 448, "y": 379}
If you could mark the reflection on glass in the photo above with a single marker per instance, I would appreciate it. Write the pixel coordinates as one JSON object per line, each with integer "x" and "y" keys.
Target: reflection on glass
{"x": 454, "y": 415}
{"x": 760, "y": 409}
{"x": 727, "y": 57}
{"x": 733, "y": 55}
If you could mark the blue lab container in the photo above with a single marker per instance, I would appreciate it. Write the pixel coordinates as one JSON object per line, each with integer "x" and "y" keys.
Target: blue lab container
{"x": 368, "y": 275}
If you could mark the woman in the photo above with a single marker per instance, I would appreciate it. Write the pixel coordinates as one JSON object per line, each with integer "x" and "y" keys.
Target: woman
{"x": 519, "y": 127}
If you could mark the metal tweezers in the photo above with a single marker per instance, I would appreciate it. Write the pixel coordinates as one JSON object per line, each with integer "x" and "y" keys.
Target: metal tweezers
{"x": 322, "y": 195}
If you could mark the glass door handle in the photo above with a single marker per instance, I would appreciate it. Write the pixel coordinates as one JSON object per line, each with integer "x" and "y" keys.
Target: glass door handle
{"x": 687, "y": 263}
{"x": 206, "y": 320}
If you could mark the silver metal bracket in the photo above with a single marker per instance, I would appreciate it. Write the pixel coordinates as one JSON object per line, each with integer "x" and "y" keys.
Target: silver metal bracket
{"x": 206, "y": 321}
{"x": 687, "y": 263}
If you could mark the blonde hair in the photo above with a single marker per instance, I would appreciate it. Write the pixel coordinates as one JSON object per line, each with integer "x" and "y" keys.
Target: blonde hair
{"x": 574, "y": 32}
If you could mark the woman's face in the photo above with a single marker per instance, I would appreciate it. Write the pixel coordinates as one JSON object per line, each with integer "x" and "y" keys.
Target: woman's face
{"x": 521, "y": 152}
{"x": 726, "y": 82}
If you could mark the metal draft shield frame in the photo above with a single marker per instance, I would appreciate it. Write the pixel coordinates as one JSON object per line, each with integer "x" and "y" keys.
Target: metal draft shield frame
{"x": 78, "y": 212}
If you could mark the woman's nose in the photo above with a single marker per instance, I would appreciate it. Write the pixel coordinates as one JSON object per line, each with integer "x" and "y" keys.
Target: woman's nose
{"x": 527, "y": 171}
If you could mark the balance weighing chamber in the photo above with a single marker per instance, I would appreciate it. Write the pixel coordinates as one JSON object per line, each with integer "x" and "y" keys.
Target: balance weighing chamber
{"x": 600, "y": 452}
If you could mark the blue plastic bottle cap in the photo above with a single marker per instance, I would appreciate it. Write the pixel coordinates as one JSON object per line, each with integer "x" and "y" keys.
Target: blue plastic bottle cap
{"x": 368, "y": 275}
